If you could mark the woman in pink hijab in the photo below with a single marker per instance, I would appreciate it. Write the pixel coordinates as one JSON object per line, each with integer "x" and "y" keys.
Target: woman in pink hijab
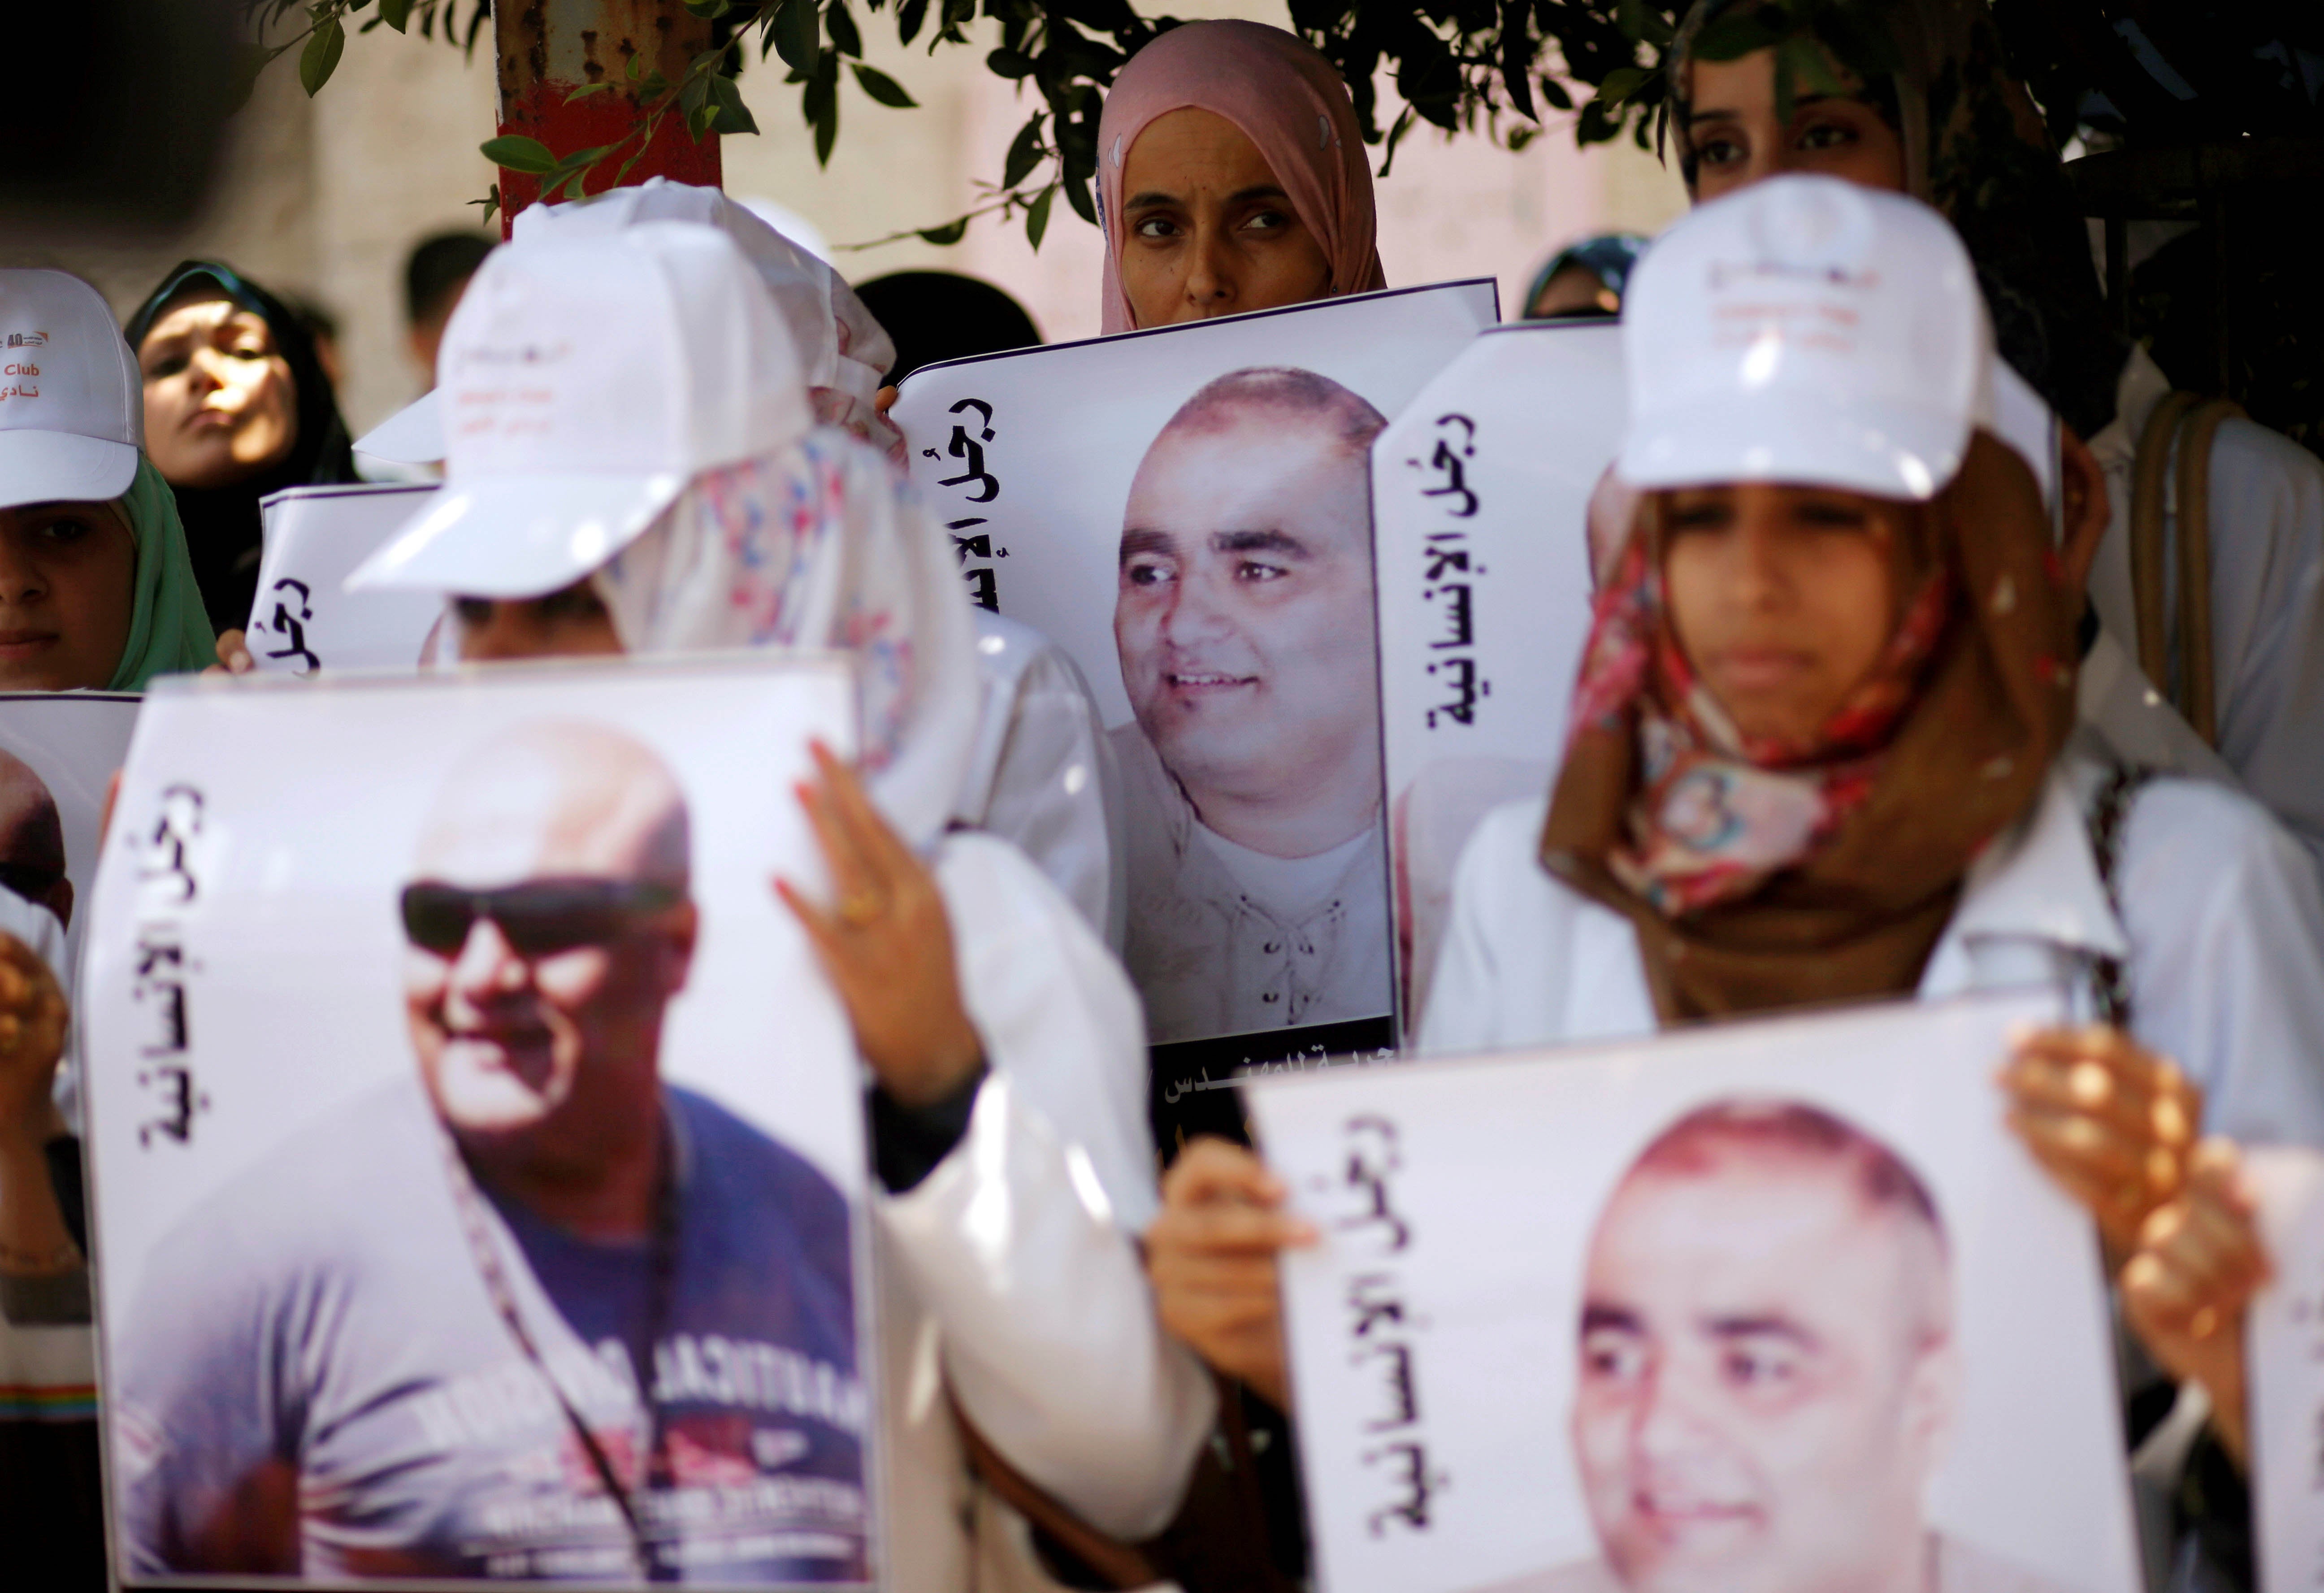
{"x": 1232, "y": 177}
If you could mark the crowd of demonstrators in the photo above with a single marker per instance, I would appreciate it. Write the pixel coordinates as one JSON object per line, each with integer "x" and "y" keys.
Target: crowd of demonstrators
{"x": 1829, "y": 593}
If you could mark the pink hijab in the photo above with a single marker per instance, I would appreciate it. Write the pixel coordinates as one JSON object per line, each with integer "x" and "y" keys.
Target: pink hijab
{"x": 1286, "y": 99}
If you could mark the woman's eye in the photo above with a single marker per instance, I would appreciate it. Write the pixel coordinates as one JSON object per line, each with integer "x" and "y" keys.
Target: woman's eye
{"x": 167, "y": 366}
{"x": 1718, "y": 151}
{"x": 1266, "y": 221}
{"x": 1156, "y": 226}
{"x": 573, "y": 603}
{"x": 253, "y": 353}
{"x": 1696, "y": 517}
{"x": 1827, "y": 135}
{"x": 65, "y": 531}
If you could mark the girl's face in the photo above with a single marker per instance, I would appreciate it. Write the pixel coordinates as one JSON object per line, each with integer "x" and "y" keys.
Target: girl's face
{"x": 1782, "y": 598}
{"x": 572, "y": 623}
{"x": 68, "y": 573}
{"x": 1206, "y": 229}
{"x": 1739, "y": 139}
{"x": 220, "y": 404}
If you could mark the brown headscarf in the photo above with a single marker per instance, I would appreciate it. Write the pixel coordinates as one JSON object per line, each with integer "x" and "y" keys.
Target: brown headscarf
{"x": 1857, "y": 915}
{"x": 1976, "y": 149}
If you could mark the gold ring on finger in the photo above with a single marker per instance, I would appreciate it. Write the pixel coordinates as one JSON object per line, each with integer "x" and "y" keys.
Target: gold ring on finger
{"x": 859, "y": 909}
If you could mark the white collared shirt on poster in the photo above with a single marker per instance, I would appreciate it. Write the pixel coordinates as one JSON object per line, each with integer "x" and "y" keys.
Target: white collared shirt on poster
{"x": 1010, "y": 1269}
{"x": 2267, "y": 594}
{"x": 2220, "y": 934}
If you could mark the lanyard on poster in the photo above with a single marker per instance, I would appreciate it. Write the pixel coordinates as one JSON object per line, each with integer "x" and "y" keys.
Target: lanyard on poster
{"x": 664, "y": 1272}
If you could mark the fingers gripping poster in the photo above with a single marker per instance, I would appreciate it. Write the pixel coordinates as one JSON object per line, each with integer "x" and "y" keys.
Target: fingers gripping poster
{"x": 303, "y": 620}
{"x": 1185, "y": 513}
{"x": 1492, "y": 498}
{"x": 477, "y": 1155}
{"x": 1755, "y": 1307}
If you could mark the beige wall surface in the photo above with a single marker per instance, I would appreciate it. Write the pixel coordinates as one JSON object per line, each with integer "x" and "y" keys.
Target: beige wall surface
{"x": 324, "y": 199}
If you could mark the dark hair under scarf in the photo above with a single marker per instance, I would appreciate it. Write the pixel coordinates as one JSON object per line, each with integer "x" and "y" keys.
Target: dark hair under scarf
{"x": 1977, "y": 150}
{"x": 222, "y": 524}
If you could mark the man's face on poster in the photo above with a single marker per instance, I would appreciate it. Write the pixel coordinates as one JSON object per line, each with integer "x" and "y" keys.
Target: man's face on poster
{"x": 547, "y": 929}
{"x": 1766, "y": 1371}
{"x": 32, "y": 840}
{"x": 1244, "y": 610}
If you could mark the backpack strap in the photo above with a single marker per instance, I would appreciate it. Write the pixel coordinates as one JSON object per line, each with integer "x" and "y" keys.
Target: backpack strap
{"x": 2188, "y": 425}
{"x": 2109, "y": 985}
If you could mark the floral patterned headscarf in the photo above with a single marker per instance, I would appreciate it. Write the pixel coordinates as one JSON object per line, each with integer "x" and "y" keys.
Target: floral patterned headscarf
{"x": 1762, "y": 876}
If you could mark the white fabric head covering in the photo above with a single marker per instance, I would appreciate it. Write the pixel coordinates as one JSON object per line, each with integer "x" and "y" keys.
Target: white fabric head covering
{"x": 821, "y": 546}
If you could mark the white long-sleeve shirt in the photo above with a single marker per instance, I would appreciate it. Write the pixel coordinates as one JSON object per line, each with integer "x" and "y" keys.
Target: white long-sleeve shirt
{"x": 2220, "y": 935}
{"x": 1042, "y": 774}
{"x": 1010, "y": 1269}
{"x": 2267, "y": 594}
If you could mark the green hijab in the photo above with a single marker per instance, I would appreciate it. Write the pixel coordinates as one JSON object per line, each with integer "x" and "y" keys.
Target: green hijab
{"x": 167, "y": 630}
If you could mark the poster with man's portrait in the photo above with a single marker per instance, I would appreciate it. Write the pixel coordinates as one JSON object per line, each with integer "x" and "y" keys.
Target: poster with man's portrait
{"x": 303, "y": 620}
{"x": 1186, "y": 512}
{"x": 1492, "y": 500}
{"x": 2283, "y": 1351}
{"x": 477, "y": 1153}
{"x": 1753, "y": 1307}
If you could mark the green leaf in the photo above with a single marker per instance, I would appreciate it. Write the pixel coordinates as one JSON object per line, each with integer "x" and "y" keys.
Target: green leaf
{"x": 1037, "y": 217}
{"x": 1741, "y": 31}
{"x": 513, "y": 151}
{"x": 949, "y": 233}
{"x": 1024, "y": 153}
{"x": 709, "y": 8}
{"x": 882, "y": 87}
{"x": 586, "y": 89}
{"x": 797, "y": 25}
{"x": 909, "y": 17}
{"x": 732, "y": 114}
{"x": 1623, "y": 82}
{"x": 1010, "y": 63}
{"x": 1077, "y": 195}
{"x": 320, "y": 59}
{"x": 1642, "y": 24}
{"x": 578, "y": 159}
{"x": 1555, "y": 93}
{"x": 636, "y": 66}
{"x": 1395, "y": 137}
{"x": 395, "y": 14}
{"x": 840, "y": 22}
{"x": 492, "y": 204}
{"x": 249, "y": 60}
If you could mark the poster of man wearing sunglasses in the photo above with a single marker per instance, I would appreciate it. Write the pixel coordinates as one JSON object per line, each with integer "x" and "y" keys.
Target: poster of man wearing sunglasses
{"x": 553, "y": 1296}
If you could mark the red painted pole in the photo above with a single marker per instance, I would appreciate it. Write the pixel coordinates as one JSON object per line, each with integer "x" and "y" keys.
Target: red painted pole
{"x": 547, "y": 49}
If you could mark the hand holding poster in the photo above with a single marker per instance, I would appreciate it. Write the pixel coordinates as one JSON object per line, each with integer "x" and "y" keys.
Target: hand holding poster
{"x": 1184, "y": 510}
{"x": 1753, "y": 1307}
{"x": 480, "y": 1197}
{"x": 304, "y": 620}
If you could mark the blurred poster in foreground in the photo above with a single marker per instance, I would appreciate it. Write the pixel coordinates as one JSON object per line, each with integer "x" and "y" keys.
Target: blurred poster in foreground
{"x": 1185, "y": 512}
{"x": 2285, "y": 1379}
{"x": 1755, "y": 1306}
{"x": 478, "y": 1155}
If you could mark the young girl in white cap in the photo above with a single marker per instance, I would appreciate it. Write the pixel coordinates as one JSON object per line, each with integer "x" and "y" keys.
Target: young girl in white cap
{"x": 656, "y": 486}
{"x": 97, "y": 591}
{"x": 1821, "y": 752}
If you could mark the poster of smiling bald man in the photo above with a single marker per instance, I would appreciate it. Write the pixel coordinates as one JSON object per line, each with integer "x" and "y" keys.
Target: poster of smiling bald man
{"x": 1760, "y": 1307}
{"x": 479, "y": 1200}
{"x": 1186, "y": 513}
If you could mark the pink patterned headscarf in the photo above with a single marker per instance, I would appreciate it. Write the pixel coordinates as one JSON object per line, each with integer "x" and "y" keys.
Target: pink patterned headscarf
{"x": 1286, "y": 99}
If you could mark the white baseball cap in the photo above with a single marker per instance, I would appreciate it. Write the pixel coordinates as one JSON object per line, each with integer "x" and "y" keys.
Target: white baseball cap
{"x": 72, "y": 408}
{"x": 841, "y": 345}
{"x": 585, "y": 382}
{"x": 1809, "y": 331}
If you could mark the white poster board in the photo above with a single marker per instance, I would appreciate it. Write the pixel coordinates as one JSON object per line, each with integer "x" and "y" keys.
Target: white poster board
{"x": 303, "y": 620}
{"x": 1211, "y": 560}
{"x": 476, "y": 1148}
{"x": 2283, "y": 1346}
{"x": 1743, "y": 1306}
{"x": 1481, "y": 497}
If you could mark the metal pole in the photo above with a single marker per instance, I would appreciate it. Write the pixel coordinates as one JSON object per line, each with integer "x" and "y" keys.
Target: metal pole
{"x": 547, "y": 49}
